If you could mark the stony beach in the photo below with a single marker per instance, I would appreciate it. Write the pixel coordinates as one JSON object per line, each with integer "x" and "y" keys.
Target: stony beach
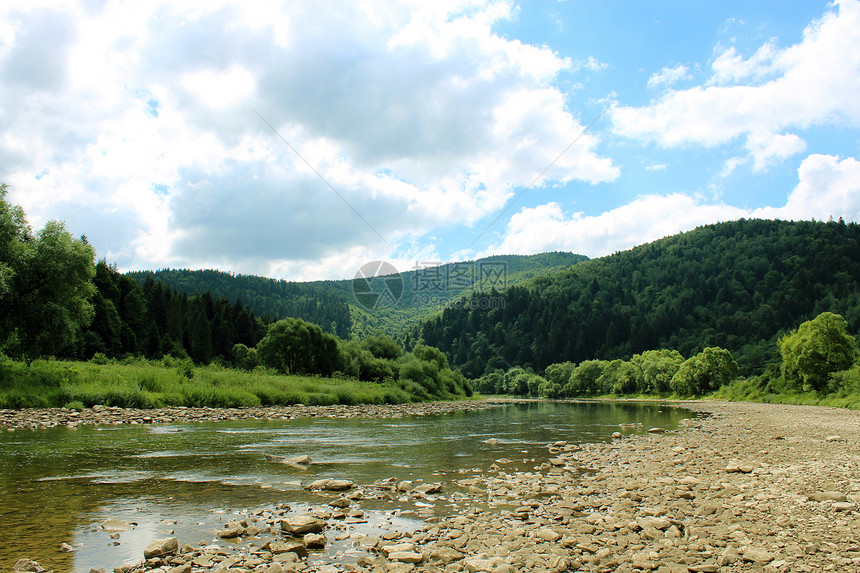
{"x": 740, "y": 487}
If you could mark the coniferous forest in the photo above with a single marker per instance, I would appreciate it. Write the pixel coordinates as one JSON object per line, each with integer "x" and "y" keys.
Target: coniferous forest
{"x": 736, "y": 285}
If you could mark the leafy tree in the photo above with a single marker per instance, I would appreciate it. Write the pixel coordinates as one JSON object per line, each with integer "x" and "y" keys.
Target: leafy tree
{"x": 815, "y": 350}
{"x": 382, "y": 346}
{"x": 705, "y": 372}
{"x": 45, "y": 284}
{"x": 293, "y": 346}
{"x": 244, "y": 357}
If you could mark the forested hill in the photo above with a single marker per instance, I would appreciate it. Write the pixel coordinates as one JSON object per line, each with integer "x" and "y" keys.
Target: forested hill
{"x": 332, "y": 305}
{"x": 317, "y": 302}
{"x": 737, "y": 285}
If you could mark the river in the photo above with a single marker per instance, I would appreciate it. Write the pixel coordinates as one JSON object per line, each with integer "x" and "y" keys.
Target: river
{"x": 58, "y": 485}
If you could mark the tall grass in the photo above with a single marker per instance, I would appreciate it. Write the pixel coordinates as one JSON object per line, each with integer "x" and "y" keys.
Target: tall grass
{"x": 153, "y": 384}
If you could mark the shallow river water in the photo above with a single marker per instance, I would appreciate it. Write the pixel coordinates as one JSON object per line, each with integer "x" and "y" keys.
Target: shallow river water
{"x": 57, "y": 485}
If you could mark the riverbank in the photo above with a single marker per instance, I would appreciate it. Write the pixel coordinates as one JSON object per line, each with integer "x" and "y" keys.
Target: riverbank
{"x": 745, "y": 487}
{"x": 750, "y": 487}
{"x": 36, "y": 418}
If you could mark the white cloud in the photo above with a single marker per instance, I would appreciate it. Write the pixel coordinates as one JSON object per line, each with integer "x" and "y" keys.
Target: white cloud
{"x": 813, "y": 82}
{"x": 139, "y": 121}
{"x": 669, "y": 76}
{"x": 827, "y": 187}
{"x": 547, "y": 228}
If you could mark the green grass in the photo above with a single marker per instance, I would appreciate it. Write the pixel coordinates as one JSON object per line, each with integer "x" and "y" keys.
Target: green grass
{"x": 153, "y": 384}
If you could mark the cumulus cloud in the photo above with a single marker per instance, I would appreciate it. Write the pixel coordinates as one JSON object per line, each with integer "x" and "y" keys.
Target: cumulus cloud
{"x": 762, "y": 97}
{"x": 417, "y": 114}
{"x": 669, "y": 76}
{"x": 827, "y": 187}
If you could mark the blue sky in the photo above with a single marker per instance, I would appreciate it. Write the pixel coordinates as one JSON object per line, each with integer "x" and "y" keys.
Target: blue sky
{"x": 301, "y": 140}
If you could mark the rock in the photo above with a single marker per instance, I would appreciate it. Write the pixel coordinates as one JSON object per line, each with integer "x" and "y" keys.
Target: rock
{"x": 66, "y": 548}
{"x": 656, "y": 430}
{"x": 445, "y": 555}
{"x": 330, "y": 484}
{"x": 301, "y": 524}
{"x": 405, "y": 485}
{"x": 828, "y": 495}
{"x": 834, "y": 439}
{"x": 548, "y": 535}
{"x": 296, "y": 547}
{"x": 491, "y": 441}
{"x": 274, "y": 568}
{"x": 160, "y": 547}
{"x": 339, "y": 503}
{"x": 745, "y": 468}
{"x": 616, "y": 435}
{"x": 843, "y": 506}
{"x": 429, "y": 488}
{"x": 757, "y": 555}
{"x": 406, "y": 557}
{"x": 186, "y": 568}
{"x": 231, "y": 530}
{"x": 111, "y": 524}
{"x": 397, "y": 548}
{"x": 314, "y": 541}
{"x": 705, "y": 568}
{"x": 301, "y": 460}
{"x": 28, "y": 565}
{"x": 660, "y": 523}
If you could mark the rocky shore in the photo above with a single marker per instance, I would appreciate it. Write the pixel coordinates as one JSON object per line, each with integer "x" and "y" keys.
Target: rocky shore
{"x": 36, "y": 418}
{"x": 744, "y": 487}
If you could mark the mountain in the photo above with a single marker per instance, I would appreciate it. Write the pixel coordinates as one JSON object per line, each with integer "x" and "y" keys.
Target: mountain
{"x": 384, "y": 300}
{"x": 738, "y": 285}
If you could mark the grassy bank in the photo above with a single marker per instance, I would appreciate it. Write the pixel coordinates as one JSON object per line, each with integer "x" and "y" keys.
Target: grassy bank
{"x": 155, "y": 384}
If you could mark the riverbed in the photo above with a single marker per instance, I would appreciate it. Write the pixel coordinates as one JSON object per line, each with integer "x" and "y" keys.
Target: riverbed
{"x": 171, "y": 476}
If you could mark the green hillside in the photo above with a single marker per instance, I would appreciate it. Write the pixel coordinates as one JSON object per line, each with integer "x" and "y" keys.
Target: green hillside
{"x": 736, "y": 285}
{"x": 420, "y": 293}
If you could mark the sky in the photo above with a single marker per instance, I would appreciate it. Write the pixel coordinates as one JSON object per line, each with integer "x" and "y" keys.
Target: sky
{"x": 302, "y": 139}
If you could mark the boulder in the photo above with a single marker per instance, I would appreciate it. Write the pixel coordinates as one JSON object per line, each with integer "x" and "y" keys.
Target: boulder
{"x": 28, "y": 565}
{"x": 113, "y": 525}
{"x": 406, "y": 557}
{"x": 161, "y": 547}
{"x": 231, "y": 530}
{"x": 279, "y": 547}
{"x": 301, "y": 524}
{"x": 331, "y": 484}
{"x": 314, "y": 541}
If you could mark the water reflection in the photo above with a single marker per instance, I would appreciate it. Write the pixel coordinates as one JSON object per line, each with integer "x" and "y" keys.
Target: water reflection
{"x": 57, "y": 485}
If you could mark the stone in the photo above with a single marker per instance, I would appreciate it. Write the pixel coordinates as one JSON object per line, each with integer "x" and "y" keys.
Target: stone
{"x": 843, "y": 506}
{"x": 616, "y": 435}
{"x": 828, "y": 496}
{"x": 757, "y": 555}
{"x": 445, "y": 555}
{"x": 28, "y": 565}
{"x": 548, "y": 535}
{"x": 296, "y": 547}
{"x": 429, "y": 488}
{"x": 301, "y": 524}
{"x": 231, "y": 530}
{"x": 339, "y": 503}
{"x": 161, "y": 547}
{"x": 66, "y": 548}
{"x": 185, "y": 568}
{"x": 111, "y": 524}
{"x": 834, "y": 439}
{"x": 406, "y": 556}
{"x": 314, "y": 541}
{"x": 656, "y": 430}
{"x": 398, "y": 547}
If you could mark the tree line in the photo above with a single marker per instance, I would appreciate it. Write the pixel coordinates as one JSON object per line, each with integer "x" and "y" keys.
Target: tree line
{"x": 738, "y": 285}
{"x": 819, "y": 356}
